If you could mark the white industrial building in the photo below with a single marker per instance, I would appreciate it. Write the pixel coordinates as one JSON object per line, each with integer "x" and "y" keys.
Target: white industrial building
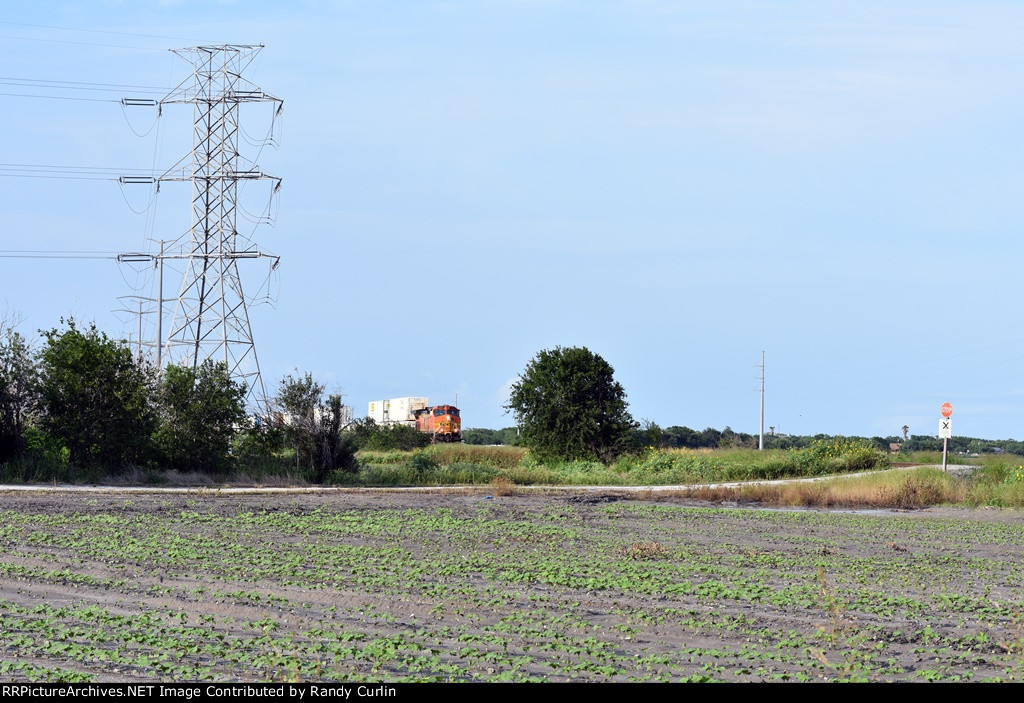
{"x": 396, "y": 411}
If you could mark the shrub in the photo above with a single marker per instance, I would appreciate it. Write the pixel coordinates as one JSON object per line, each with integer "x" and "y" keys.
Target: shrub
{"x": 200, "y": 409}
{"x": 97, "y": 398}
{"x": 839, "y": 455}
{"x": 919, "y": 491}
{"x": 421, "y": 463}
{"x": 501, "y": 486}
{"x": 313, "y": 422}
{"x": 371, "y": 436}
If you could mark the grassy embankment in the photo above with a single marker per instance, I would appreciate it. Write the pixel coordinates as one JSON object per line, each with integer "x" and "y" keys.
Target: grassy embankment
{"x": 999, "y": 481}
{"x": 467, "y": 464}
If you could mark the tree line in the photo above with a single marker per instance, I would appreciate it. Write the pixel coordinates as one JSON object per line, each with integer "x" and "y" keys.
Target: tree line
{"x": 85, "y": 400}
{"x": 567, "y": 406}
{"x": 83, "y": 405}
{"x": 645, "y": 434}
{"x": 681, "y": 437}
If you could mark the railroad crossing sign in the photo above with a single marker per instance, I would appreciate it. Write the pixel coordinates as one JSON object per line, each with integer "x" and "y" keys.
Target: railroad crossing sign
{"x": 945, "y": 428}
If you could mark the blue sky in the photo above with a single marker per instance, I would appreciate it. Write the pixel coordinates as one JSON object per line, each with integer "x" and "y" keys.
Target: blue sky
{"x": 675, "y": 185}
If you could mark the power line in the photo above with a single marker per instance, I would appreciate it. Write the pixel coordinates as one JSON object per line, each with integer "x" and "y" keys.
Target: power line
{"x": 77, "y": 173}
{"x": 95, "y": 31}
{"x": 60, "y": 97}
{"x": 65, "y": 85}
{"x": 60, "y": 178}
{"x": 65, "y": 167}
{"x": 43, "y": 256}
{"x": 109, "y": 85}
{"x": 80, "y": 43}
{"x": 58, "y": 251}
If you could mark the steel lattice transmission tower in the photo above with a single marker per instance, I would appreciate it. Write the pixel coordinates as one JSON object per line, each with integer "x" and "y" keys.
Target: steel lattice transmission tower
{"x": 210, "y": 319}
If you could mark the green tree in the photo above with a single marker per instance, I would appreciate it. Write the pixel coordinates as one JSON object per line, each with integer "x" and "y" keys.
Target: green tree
{"x": 315, "y": 426}
{"x": 337, "y": 445}
{"x": 369, "y": 435}
{"x": 96, "y": 397}
{"x": 479, "y": 435}
{"x": 649, "y": 434}
{"x": 569, "y": 406}
{"x": 509, "y": 436}
{"x": 297, "y": 400}
{"x": 200, "y": 412}
{"x": 18, "y": 386}
{"x": 677, "y": 436}
{"x": 711, "y": 438}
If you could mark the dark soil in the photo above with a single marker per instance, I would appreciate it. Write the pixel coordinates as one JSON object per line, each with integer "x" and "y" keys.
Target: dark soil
{"x": 468, "y": 587}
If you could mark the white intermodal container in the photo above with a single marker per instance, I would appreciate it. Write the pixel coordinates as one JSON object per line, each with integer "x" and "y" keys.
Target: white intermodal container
{"x": 376, "y": 411}
{"x": 396, "y": 410}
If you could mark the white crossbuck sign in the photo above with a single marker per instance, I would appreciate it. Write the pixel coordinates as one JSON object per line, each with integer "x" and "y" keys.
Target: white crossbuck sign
{"x": 945, "y": 428}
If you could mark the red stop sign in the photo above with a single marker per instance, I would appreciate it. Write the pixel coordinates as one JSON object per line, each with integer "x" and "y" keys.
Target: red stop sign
{"x": 946, "y": 409}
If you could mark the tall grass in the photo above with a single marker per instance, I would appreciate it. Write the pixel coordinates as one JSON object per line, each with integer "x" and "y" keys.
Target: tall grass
{"x": 37, "y": 468}
{"x": 927, "y": 457}
{"x": 984, "y": 459}
{"x": 721, "y": 465}
{"x": 409, "y": 474}
{"x": 998, "y": 483}
{"x": 447, "y": 454}
{"x": 497, "y": 457}
{"x": 918, "y": 488}
{"x": 435, "y": 465}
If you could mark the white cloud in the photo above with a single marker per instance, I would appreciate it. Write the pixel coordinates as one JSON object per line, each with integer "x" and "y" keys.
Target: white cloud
{"x": 503, "y": 393}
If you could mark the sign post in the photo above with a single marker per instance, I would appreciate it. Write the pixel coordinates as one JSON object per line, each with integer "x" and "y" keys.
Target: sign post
{"x": 945, "y": 430}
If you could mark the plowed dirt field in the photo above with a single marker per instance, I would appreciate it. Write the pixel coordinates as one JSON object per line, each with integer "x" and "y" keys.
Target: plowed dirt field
{"x": 449, "y": 587}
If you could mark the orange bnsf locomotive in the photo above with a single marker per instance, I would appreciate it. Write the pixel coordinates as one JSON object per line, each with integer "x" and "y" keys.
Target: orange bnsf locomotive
{"x": 441, "y": 422}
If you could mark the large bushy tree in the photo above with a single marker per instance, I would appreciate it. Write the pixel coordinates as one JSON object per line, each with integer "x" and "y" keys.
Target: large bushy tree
{"x": 18, "y": 382}
{"x": 568, "y": 406}
{"x": 200, "y": 412}
{"x": 96, "y": 397}
{"x": 314, "y": 423}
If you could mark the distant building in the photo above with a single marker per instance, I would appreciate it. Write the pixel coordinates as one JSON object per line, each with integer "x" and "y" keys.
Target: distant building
{"x": 396, "y": 411}
{"x": 280, "y": 419}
